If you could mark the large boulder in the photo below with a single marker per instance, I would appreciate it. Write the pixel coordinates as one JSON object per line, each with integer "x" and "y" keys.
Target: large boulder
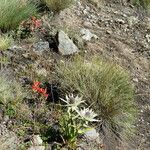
{"x": 66, "y": 45}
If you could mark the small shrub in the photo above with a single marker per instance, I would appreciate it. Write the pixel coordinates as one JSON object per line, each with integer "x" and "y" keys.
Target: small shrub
{"x": 13, "y": 12}
{"x": 57, "y": 5}
{"x": 5, "y": 42}
{"x": 105, "y": 86}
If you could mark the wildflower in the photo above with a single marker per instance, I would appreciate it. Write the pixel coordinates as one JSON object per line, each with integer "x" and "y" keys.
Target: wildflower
{"x": 87, "y": 114}
{"x": 36, "y": 84}
{"x": 36, "y": 87}
{"x": 36, "y": 23}
{"x": 72, "y": 101}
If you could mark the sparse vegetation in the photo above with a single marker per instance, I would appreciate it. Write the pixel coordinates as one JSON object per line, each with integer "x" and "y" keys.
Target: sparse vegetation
{"x": 75, "y": 120}
{"x": 5, "y": 42}
{"x": 35, "y": 82}
{"x": 97, "y": 3}
{"x": 11, "y": 95}
{"x": 13, "y": 12}
{"x": 57, "y": 5}
{"x": 143, "y": 3}
{"x": 28, "y": 116}
{"x": 105, "y": 86}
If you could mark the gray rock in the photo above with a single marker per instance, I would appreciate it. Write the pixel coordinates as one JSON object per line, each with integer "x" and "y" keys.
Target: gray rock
{"x": 66, "y": 45}
{"x": 87, "y": 35}
{"x": 87, "y": 24}
{"x": 41, "y": 46}
{"x": 36, "y": 140}
{"x": 37, "y": 148}
{"x": 92, "y": 134}
{"x": 135, "y": 80}
{"x": 8, "y": 140}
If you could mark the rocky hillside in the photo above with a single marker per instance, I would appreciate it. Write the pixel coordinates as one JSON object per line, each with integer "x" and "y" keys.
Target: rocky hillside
{"x": 115, "y": 31}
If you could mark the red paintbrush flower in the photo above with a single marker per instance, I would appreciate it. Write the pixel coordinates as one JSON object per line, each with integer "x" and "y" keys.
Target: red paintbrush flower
{"x": 36, "y": 87}
{"x": 37, "y": 24}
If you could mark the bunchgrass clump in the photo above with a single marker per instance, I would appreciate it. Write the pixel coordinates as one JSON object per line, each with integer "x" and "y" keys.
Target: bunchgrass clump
{"x": 5, "y": 42}
{"x": 57, "y": 5}
{"x": 143, "y": 3}
{"x": 105, "y": 86}
{"x": 13, "y": 12}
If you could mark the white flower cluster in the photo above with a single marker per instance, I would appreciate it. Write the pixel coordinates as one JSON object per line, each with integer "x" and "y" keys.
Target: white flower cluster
{"x": 73, "y": 103}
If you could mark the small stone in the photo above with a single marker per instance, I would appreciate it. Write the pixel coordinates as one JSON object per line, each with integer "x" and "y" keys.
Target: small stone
{"x": 85, "y": 12}
{"x": 87, "y": 24}
{"x": 37, "y": 148}
{"x": 108, "y": 32}
{"x": 66, "y": 45}
{"x": 135, "y": 79}
{"x": 41, "y": 71}
{"x": 92, "y": 134}
{"x": 124, "y": 15}
{"x": 148, "y": 38}
{"x": 41, "y": 46}
{"x": 87, "y": 35}
{"x": 37, "y": 140}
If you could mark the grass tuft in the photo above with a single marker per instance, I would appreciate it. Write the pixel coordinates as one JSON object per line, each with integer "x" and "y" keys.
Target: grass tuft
{"x": 144, "y": 3}
{"x": 5, "y": 42}
{"x": 105, "y": 86}
{"x": 11, "y": 95}
{"x": 13, "y": 12}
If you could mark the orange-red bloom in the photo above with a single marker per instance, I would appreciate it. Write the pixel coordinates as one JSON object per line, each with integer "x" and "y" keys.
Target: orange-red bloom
{"x": 36, "y": 87}
{"x": 36, "y": 23}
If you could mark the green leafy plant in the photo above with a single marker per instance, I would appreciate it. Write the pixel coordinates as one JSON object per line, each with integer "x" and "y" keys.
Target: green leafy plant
{"x": 75, "y": 121}
{"x": 105, "y": 86}
{"x": 5, "y": 42}
{"x": 57, "y": 5}
{"x": 12, "y": 13}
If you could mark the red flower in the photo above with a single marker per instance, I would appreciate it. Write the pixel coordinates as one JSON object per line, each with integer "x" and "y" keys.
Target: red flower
{"x": 36, "y": 84}
{"x": 36, "y": 87}
{"x": 37, "y": 24}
